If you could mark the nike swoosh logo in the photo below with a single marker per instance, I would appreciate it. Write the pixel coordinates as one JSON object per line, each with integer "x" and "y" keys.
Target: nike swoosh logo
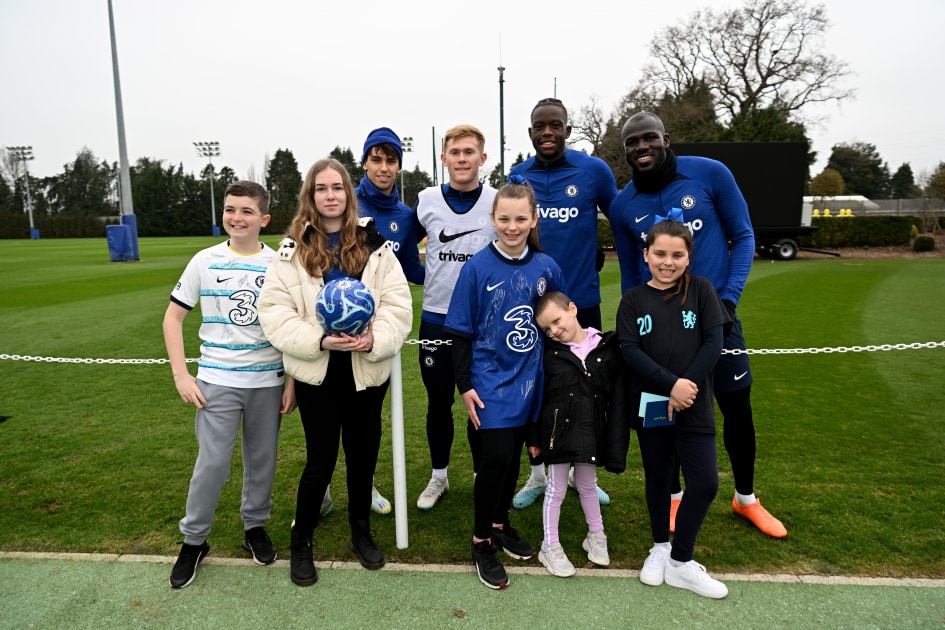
{"x": 493, "y": 287}
{"x": 638, "y": 219}
{"x": 222, "y": 280}
{"x": 446, "y": 238}
{"x": 739, "y": 377}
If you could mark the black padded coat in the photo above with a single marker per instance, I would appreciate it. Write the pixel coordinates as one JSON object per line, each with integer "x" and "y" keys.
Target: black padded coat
{"x": 583, "y": 408}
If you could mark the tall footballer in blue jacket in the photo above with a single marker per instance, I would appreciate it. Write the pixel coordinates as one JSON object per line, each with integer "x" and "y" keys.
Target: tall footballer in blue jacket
{"x": 571, "y": 187}
{"x": 703, "y": 194}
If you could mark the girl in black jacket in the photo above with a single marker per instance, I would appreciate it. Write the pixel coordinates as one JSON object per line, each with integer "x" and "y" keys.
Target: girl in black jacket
{"x": 582, "y": 368}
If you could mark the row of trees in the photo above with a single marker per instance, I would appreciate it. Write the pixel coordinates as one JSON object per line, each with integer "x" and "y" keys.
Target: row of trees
{"x": 167, "y": 201}
{"x": 857, "y": 169}
{"x": 734, "y": 75}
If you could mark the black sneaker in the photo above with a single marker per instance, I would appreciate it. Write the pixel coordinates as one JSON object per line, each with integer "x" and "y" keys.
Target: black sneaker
{"x": 363, "y": 544}
{"x": 301, "y": 565}
{"x": 185, "y": 569}
{"x": 509, "y": 541}
{"x": 488, "y": 566}
{"x": 257, "y": 542}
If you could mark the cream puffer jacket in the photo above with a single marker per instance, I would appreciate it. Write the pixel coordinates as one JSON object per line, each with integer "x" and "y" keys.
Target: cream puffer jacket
{"x": 287, "y": 314}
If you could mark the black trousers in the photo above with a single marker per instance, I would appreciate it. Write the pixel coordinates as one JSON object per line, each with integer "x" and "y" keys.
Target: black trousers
{"x": 436, "y": 370}
{"x": 498, "y": 474}
{"x": 660, "y": 447}
{"x": 738, "y": 435}
{"x": 331, "y": 411}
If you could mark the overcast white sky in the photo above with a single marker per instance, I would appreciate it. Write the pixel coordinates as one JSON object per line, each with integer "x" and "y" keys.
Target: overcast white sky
{"x": 308, "y": 76}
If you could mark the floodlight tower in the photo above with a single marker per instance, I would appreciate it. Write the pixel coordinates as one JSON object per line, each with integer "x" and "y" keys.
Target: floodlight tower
{"x": 127, "y": 251}
{"x": 210, "y": 150}
{"x": 407, "y": 146}
{"x": 25, "y": 154}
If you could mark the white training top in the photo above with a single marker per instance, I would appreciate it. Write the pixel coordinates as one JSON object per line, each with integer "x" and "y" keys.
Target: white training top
{"x": 234, "y": 352}
{"x": 452, "y": 239}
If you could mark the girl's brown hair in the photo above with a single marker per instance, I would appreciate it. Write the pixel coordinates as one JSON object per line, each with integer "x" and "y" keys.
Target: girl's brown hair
{"x": 306, "y": 229}
{"x": 671, "y": 227}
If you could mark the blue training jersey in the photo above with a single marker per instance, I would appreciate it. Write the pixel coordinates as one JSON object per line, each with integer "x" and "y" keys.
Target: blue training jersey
{"x": 399, "y": 226}
{"x": 569, "y": 192}
{"x": 492, "y": 305}
{"x": 712, "y": 207}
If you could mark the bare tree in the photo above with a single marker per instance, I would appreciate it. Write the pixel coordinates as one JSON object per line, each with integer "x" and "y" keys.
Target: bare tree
{"x": 766, "y": 53}
{"x": 253, "y": 177}
{"x": 934, "y": 205}
{"x": 589, "y": 126}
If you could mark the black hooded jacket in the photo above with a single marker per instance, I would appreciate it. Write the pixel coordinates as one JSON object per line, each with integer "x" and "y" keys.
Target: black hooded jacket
{"x": 583, "y": 411}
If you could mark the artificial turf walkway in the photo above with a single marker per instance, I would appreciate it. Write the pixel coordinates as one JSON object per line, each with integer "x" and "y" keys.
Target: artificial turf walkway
{"x": 108, "y": 591}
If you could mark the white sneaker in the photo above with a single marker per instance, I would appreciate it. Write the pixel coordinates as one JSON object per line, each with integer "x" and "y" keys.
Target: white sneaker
{"x": 596, "y": 547}
{"x": 555, "y": 560}
{"x": 532, "y": 489}
{"x": 655, "y": 566}
{"x": 432, "y": 493}
{"x": 693, "y": 576}
{"x": 379, "y": 505}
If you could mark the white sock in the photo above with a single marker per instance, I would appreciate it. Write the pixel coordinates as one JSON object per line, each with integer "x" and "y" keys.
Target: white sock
{"x": 675, "y": 563}
{"x": 538, "y": 473}
{"x": 439, "y": 473}
{"x": 745, "y": 499}
{"x": 676, "y": 496}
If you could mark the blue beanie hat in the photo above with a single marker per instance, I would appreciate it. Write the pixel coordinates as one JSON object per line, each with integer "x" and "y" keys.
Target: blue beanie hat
{"x": 380, "y": 136}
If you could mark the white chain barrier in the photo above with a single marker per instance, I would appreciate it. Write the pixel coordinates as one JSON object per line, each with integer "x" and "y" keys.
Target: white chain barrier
{"x": 440, "y": 342}
{"x": 397, "y": 411}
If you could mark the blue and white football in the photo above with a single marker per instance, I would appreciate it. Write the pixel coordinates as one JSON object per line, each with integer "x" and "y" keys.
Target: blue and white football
{"x": 345, "y": 306}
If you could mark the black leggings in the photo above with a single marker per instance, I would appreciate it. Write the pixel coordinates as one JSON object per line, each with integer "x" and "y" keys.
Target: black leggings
{"x": 436, "y": 370}
{"x": 498, "y": 474}
{"x": 331, "y": 411}
{"x": 738, "y": 434}
{"x": 660, "y": 448}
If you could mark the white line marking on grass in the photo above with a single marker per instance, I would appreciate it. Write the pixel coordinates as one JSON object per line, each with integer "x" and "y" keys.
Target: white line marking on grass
{"x": 776, "y": 578}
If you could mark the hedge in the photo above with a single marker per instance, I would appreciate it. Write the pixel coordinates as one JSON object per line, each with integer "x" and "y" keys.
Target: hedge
{"x": 836, "y": 232}
{"x": 605, "y": 236}
{"x": 54, "y": 225}
{"x": 833, "y": 232}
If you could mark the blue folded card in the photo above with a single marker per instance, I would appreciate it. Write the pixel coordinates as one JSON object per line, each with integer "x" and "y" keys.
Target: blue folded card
{"x": 653, "y": 410}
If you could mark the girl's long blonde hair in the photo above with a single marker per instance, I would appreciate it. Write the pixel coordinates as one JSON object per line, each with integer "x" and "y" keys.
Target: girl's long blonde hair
{"x": 307, "y": 230}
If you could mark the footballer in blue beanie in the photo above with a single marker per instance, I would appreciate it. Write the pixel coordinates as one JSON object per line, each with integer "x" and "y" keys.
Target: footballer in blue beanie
{"x": 383, "y": 135}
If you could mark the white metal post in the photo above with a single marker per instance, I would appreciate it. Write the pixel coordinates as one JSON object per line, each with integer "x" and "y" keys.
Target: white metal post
{"x": 399, "y": 453}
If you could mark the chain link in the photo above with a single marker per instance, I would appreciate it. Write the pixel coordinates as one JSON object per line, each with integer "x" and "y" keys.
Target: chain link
{"x": 445, "y": 342}
{"x": 24, "y": 357}
{"x": 841, "y": 349}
